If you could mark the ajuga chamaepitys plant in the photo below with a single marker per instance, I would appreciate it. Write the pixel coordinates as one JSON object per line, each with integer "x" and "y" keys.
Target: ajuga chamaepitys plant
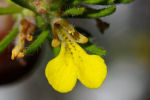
{"x": 72, "y": 62}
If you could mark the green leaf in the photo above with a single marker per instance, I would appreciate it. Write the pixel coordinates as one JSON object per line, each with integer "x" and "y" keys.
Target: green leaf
{"x": 24, "y": 3}
{"x": 74, "y": 11}
{"x": 56, "y": 51}
{"x": 37, "y": 43}
{"x": 97, "y": 2}
{"x": 106, "y": 2}
{"x": 123, "y": 1}
{"x": 99, "y": 13}
{"x": 95, "y": 50}
{"x": 10, "y": 10}
{"x": 8, "y": 39}
{"x": 75, "y": 2}
{"x": 92, "y": 1}
{"x": 92, "y": 13}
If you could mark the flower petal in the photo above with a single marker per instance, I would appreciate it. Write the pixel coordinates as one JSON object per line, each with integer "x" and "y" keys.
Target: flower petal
{"x": 92, "y": 69}
{"x": 61, "y": 72}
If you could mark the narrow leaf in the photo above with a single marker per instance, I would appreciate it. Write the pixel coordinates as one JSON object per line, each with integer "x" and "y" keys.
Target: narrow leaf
{"x": 123, "y": 1}
{"x": 8, "y": 39}
{"x": 37, "y": 43}
{"x": 74, "y": 11}
{"x": 75, "y": 2}
{"x": 92, "y": 13}
{"x": 92, "y": 1}
{"x": 24, "y": 3}
{"x": 10, "y": 10}
{"x": 100, "y": 2}
{"x": 106, "y": 2}
{"x": 95, "y": 50}
{"x": 99, "y": 13}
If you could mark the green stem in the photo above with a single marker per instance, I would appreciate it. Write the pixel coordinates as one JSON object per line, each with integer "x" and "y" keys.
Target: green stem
{"x": 37, "y": 43}
{"x": 8, "y": 39}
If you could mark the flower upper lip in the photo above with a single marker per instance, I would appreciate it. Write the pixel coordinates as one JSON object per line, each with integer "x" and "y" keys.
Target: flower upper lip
{"x": 59, "y": 24}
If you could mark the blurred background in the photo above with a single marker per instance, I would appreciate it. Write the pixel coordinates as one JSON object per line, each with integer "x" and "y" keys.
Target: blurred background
{"x": 127, "y": 42}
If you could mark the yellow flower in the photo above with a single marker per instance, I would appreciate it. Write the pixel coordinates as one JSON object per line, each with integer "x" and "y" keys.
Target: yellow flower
{"x": 74, "y": 63}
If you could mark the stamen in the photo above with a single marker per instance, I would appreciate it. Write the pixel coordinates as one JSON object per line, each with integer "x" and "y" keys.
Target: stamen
{"x": 26, "y": 33}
